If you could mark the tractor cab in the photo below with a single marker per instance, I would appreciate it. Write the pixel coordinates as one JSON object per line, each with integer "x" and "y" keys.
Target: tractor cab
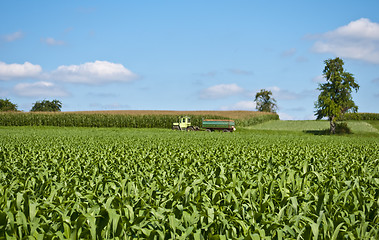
{"x": 183, "y": 124}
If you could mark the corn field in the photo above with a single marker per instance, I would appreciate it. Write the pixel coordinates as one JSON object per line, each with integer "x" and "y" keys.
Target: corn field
{"x": 109, "y": 183}
{"x": 130, "y": 119}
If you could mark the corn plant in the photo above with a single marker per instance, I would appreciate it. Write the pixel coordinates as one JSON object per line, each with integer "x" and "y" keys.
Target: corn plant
{"x": 82, "y": 183}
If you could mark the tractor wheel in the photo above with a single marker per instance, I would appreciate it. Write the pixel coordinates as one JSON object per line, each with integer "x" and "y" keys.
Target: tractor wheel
{"x": 190, "y": 128}
{"x": 175, "y": 128}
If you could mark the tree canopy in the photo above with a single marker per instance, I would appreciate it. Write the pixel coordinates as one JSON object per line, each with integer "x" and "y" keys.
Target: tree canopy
{"x": 7, "y": 105}
{"x": 47, "y": 106}
{"x": 335, "y": 97}
{"x": 264, "y": 101}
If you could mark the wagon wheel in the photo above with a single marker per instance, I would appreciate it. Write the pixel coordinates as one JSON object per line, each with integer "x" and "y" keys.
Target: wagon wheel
{"x": 226, "y": 130}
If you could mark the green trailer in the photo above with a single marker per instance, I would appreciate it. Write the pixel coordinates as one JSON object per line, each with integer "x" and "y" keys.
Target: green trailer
{"x": 217, "y": 124}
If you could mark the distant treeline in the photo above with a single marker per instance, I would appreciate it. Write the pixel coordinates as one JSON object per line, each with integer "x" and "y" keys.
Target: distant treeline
{"x": 360, "y": 116}
{"x": 115, "y": 120}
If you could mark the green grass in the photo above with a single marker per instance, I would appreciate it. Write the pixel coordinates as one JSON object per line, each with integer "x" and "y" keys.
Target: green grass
{"x": 374, "y": 123}
{"x": 313, "y": 126}
{"x": 362, "y": 127}
{"x": 292, "y": 126}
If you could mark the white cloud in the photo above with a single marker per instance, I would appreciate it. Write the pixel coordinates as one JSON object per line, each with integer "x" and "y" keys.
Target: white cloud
{"x": 319, "y": 79}
{"x": 361, "y": 28}
{"x": 357, "y": 40}
{"x": 14, "y": 70}
{"x": 242, "y": 105}
{"x": 221, "y": 91}
{"x": 12, "y": 36}
{"x": 52, "y": 41}
{"x": 281, "y": 94}
{"x": 39, "y": 89}
{"x": 97, "y": 72}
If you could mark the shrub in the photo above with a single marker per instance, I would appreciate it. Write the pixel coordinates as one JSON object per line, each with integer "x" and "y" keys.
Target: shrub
{"x": 47, "y": 106}
{"x": 342, "y": 128}
{"x": 7, "y": 105}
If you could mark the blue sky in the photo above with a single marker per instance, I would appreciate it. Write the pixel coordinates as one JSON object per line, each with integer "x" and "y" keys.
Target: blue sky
{"x": 184, "y": 55}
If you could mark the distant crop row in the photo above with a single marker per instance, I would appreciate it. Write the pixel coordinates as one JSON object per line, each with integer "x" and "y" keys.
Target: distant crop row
{"x": 114, "y": 120}
{"x": 78, "y": 183}
{"x": 361, "y": 116}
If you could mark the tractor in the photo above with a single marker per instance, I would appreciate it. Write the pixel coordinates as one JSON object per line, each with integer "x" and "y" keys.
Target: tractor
{"x": 184, "y": 124}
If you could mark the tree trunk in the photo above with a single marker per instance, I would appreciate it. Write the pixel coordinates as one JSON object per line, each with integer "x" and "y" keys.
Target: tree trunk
{"x": 332, "y": 125}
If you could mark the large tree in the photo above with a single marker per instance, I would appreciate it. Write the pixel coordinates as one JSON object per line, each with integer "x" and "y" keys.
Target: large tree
{"x": 264, "y": 101}
{"x": 335, "y": 97}
{"x": 7, "y": 105}
{"x": 47, "y": 106}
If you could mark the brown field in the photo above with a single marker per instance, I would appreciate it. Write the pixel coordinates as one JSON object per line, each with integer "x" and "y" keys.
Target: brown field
{"x": 227, "y": 114}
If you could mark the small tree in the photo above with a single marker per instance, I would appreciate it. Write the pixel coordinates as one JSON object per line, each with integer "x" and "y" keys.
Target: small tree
{"x": 335, "y": 97}
{"x": 47, "y": 106}
{"x": 7, "y": 105}
{"x": 264, "y": 101}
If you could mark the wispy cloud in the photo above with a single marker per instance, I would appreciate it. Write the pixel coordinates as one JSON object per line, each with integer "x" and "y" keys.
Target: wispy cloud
{"x": 209, "y": 74}
{"x": 16, "y": 71}
{"x": 357, "y": 40}
{"x": 319, "y": 79}
{"x": 112, "y": 106}
{"x": 240, "y": 72}
{"x": 101, "y": 95}
{"x": 98, "y": 72}
{"x": 12, "y": 36}
{"x": 285, "y": 116}
{"x": 39, "y": 89}
{"x": 289, "y": 52}
{"x": 221, "y": 91}
{"x": 301, "y": 59}
{"x": 376, "y": 80}
{"x": 67, "y": 30}
{"x": 296, "y": 109}
{"x": 242, "y": 105}
{"x": 52, "y": 42}
{"x": 284, "y": 94}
